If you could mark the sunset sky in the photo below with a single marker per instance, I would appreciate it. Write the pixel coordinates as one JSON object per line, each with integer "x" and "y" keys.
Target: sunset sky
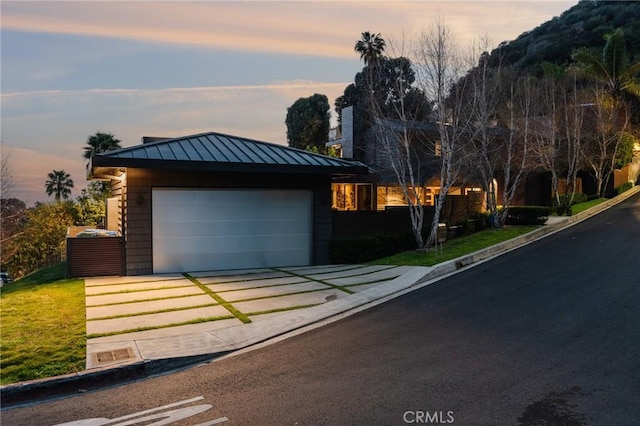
{"x": 158, "y": 68}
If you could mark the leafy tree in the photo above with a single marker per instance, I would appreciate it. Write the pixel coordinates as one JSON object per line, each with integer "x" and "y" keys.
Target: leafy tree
{"x": 98, "y": 143}
{"x": 59, "y": 185}
{"x": 308, "y": 123}
{"x": 42, "y": 240}
{"x": 583, "y": 25}
{"x": 89, "y": 208}
{"x": 375, "y": 92}
{"x": 624, "y": 155}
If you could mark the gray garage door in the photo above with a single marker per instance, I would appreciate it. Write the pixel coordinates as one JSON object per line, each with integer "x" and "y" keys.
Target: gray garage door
{"x": 202, "y": 230}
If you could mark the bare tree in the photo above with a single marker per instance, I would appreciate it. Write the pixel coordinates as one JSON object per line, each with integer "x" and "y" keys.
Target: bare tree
{"x": 6, "y": 177}
{"x": 558, "y": 131}
{"x": 12, "y": 210}
{"x": 483, "y": 94}
{"x": 438, "y": 64}
{"x": 603, "y": 139}
{"x": 548, "y": 126}
{"x": 573, "y": 124}
{"x": 516, "y": 152}
{"x": 402, "y": 149}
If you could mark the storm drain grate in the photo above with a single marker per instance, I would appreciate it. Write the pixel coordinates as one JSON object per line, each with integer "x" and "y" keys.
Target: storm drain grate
{"x": 112, "y": 356}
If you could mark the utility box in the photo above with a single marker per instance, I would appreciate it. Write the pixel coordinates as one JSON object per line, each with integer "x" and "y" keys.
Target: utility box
{"x": 441, "y": 234}
{"x": 94, "y": 252}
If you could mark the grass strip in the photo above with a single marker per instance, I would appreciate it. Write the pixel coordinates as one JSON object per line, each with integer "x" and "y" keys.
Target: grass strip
{"x": 254, "y": 288}
{"x": 367, "y": 273}
{"x": 241, "y": 280}
{"x": 228, "y": 306}
{"x": 456, "y": 247}
{"x": 159, "y": 311}
{"x": 580, "y": 207}
{"x": 337, "y": 287}
{"x": 153, "y": 299}
{"x": 345, "y": 268}
{"x": 281, "y": 295}
{"x": 131, "y": 282}
{"x": 43, "y": 326}
{"x": 135, "y": 290}
{"x": 291, "y": 308}
{"x": 158, "y": 327}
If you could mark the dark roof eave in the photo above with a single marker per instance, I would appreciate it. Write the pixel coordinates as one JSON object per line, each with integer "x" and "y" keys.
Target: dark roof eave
{"x": 100, "y": 161}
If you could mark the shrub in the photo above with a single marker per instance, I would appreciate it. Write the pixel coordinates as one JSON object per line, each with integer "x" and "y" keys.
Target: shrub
{"x": 468, "y": 227}
{"x": 361, "y": 249}
{"x": 564, "y": 207}
{"x": 481, "y": 221}
{"x": 527, "y": 215}
{"x": 624, "y": 187}
{"x": 579, "y": 197}
{"x": 592, "y": 197}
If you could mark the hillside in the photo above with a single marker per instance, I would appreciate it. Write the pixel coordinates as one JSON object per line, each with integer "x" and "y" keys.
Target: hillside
{"x": 583, "y": 25}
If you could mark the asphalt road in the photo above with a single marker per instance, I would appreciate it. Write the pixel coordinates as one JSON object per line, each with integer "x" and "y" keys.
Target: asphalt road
{"x": 547, "y": 334}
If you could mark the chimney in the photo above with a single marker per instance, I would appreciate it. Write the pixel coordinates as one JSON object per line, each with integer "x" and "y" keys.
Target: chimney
{"x": 149, "y": 139}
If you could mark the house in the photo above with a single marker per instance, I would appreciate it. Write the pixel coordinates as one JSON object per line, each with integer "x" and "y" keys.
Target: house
{"x": 380, "y": 189}
{"x": 213, "y": 201}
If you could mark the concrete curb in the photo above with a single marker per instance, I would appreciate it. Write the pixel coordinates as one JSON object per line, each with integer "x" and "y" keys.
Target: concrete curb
{"x": 18, "y": 394}
{"x": 495, "y": 250}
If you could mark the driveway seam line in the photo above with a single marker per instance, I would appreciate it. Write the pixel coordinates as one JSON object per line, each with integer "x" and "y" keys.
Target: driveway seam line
{"x": 337, "y": 287}
{"x": 228, "y": 306}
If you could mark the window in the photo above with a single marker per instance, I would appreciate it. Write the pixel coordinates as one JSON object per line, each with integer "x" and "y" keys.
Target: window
{"x": 351, "y": 196}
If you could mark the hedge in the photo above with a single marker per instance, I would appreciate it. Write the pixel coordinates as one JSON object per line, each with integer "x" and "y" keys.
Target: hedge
{"x": 527, "y": 215}
{"x": 361, "y": 249}
{"x": 624, "y": 187}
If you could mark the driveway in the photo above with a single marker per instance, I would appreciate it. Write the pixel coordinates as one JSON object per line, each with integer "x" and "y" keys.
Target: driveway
{"x": 167, "y": 316}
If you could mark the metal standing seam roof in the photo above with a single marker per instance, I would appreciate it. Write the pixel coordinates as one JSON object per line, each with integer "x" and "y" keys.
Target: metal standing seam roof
{"x": 219, "y": 152}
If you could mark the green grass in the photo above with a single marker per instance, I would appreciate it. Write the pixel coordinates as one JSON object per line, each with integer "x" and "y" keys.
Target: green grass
{"x": 456, "y": 247}
{"x": 175, "y": 324}
{"x": 577, "y": 208}
{"x": 43, "y": 326}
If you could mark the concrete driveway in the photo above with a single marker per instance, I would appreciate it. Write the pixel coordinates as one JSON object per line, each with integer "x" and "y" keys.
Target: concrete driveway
{"x": 136, "y": 318}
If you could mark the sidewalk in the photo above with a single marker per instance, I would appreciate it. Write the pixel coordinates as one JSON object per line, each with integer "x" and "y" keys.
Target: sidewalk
{"x": 222, "y": 312}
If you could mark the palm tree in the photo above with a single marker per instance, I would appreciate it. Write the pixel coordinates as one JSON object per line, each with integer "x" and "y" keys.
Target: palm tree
{"x": 59, "y": 184}
{"x": 610, "y": 67}
{"x": 100, "y": 142}
{"x": 370, "y": 47}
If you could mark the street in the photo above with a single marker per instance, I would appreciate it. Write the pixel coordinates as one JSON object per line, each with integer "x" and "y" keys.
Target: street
{"x": 546, "y": 334}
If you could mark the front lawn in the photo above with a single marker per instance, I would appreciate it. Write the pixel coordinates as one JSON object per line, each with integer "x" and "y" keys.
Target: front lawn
{"x": 43, "y": 326}
{"x": 577, "y": 208}
{"x": 456, "y": 247}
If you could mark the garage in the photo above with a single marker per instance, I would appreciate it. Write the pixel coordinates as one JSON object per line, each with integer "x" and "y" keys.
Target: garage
{"x": 212, "y": 201}
{"x": 203, "y": 229}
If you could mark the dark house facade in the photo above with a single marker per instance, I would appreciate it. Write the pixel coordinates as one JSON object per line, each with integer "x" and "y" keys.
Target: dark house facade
{"x": 214, "y": 202}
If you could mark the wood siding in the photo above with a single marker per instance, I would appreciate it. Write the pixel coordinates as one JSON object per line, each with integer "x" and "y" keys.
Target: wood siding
{"x": 137, "y": 210}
